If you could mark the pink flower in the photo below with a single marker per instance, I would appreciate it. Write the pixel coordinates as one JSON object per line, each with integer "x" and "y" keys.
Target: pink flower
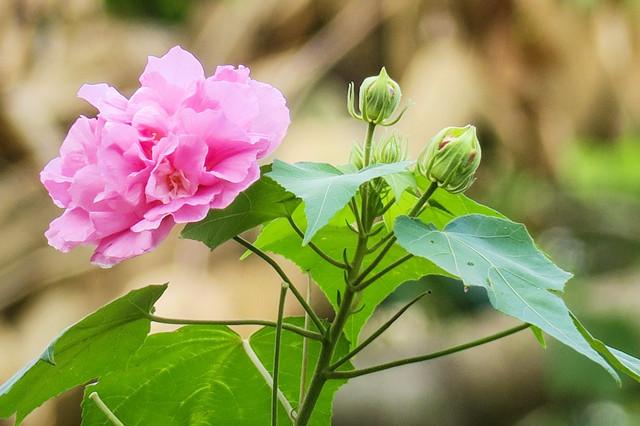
{"x": 181, "y": 145}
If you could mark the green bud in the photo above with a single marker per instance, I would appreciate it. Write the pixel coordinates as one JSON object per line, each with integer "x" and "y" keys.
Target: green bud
{"x": 356, "y": 158}
{"x": 451, "y": 158}
{"x": 391, "y": 150}
{"x": 379, "y": 97}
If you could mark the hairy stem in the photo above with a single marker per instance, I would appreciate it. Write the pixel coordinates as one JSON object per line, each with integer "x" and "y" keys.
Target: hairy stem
{"x": 276, "y": 354}
{"x": 289, "y": 327}
{"x": 264, "y": 256}
{"x": 357, "y": 373}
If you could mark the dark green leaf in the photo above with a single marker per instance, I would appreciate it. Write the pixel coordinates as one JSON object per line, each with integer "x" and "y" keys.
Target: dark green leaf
{"x": 262, "y": 202}
{"x": 101, "y": 342}
{"x": 500, "y": 256}
{"x": 324, "y": 188}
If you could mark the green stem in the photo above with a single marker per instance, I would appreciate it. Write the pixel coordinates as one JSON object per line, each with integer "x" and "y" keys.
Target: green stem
{"x": 414, "y": 211}
{"x": 315, "y": 248}
{"x": 105, "y": 410}
{"x": 264, "y": 256}
{"x": 305, "y": 346}
{"x": 289, "y": 327}
{"x": 276, "y": 354}
{"x": 356, "y": 373}
{"x": 384, "y": 271}
{"x": 376, "y": 333}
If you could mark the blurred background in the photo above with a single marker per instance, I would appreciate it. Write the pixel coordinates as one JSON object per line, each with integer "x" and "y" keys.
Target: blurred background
{"x": 553, "y": 86}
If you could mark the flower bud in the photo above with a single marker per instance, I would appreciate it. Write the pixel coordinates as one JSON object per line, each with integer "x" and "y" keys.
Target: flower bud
{"x": 451, "y": 158}
{"x": 391, "y": 150}
{"x": 379, "y": 97}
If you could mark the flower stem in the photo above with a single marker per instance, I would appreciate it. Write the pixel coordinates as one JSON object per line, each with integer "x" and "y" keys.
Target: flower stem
{"x": 289, "y": 327}
{"x": 105, "y": 410}
{"x": 264, "y": 256}
{"x": 276, "y": 354}
{"x": 356, "y": 373}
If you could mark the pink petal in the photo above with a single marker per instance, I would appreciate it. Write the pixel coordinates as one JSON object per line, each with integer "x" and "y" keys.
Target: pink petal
{"x": 177, "y": 67}
{"x": 127, "y": 244}
{"x": 111, "y": 104}
{"x": 69, "y": 230}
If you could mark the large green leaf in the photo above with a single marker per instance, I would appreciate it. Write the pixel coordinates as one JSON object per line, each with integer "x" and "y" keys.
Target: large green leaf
{"x": 201, "y": 375}
{"x": 263, "y": 201}
{"x": 196, "y": 375}
{"x": 324, "y": 188}
{"x": 620, "y": 360}
{"x": 291, "y": 367}
{"x": 500, "y": 256}
{"x": 101, "y": 342}
{"x": 278, "y": 237}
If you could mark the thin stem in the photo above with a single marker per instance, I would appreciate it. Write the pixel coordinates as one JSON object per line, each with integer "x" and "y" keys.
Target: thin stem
{"x": 376, "y": 333}
{"x": 315, "y": 248}
{"x": 305, "y": 346}
{"x": 105, "y": 410}
{"x": 414, "y": 211}
{"x": 368, "y": 142}
{"x": 380, "y": 243}
{"x": 276, "y": 354}
{"x": 384, "y": 271}
{"x": 289, "y": 327}
{"x": 356, "y": 373}
{"x": 264, "y": 256}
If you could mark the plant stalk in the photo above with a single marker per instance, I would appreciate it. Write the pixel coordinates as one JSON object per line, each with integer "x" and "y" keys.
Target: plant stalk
{"x": 357, "y": 373}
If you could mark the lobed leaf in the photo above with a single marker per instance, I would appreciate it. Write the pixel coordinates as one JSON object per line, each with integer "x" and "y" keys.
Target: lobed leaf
{"x": 326, "y": 189}
{"x": 101, "y": 342}
{"x": 500, "y": 256}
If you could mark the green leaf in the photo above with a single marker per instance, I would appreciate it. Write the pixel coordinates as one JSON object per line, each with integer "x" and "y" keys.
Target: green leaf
{"x": 97, "y": 344}
{"x": 263, "y": 201}
{"x": 324, "y": 188}
{"x": 207, "y": 375}
{"x": 291, "y": 366}
{"x": 400, "y": 182}
{"x": 192, "y": 376}
{"x": 500, "y": 256}
{"x": 278, "y": 237}
{"x": 621, "y": 361}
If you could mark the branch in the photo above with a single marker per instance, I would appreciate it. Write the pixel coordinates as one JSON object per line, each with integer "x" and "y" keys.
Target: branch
{"x": 384, "y": 271}
{"x": 376, "y": 333}
{"x": 317, "y": 249}
{"x": 356, "y": 373}
{"x": 289, "y": 327}
{"x": 264, "y": 256}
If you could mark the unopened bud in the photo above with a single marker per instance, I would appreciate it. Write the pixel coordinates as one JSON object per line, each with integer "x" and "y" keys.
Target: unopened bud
{"x": 452, "y": 158}
{"x": 391, "y": 150}
{"x": 379, "y": 97}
